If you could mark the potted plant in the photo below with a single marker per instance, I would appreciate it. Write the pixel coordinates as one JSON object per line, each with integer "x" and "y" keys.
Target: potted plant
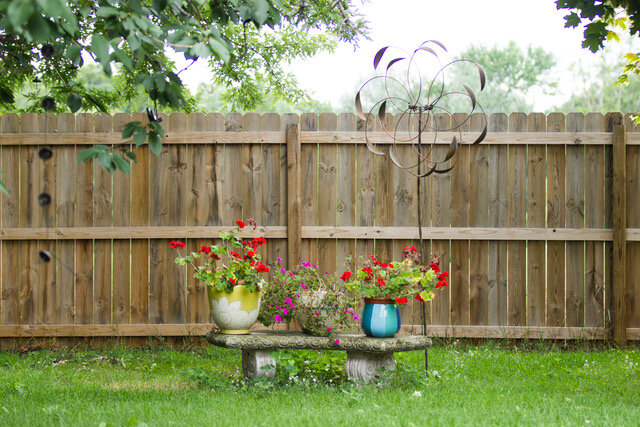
{"x": 318, "y": 301}
{"x": 387, "y": 285}
{"x": 232, "y": 273}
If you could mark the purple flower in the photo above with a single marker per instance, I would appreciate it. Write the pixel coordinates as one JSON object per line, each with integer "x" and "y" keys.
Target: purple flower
{"x": 277, "y": 318}
{"x": 283, "y": 271}
{"x": 291, "y": 273}
{"x": 314, "y": 266}
{"x": 303, "y": 286}
{"x": 356, "y": 316}
{"x": 287, "y": 300}
{"x": 298, "y": 293}
{"x": 277, "y": 307}
{"x": 326, "y": 272}
{"x": 317, "y": 313}
{"x": 279, "y": 259}
{"x": 337, "y": 341}
{"x": 306, "y": 264}
{"x": 292, "y": 305}
{"x": 285, "y": 311}
{"x": 328, "y": 329}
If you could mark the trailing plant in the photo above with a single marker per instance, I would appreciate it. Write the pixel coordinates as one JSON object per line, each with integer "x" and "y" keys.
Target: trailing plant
{"x": 234, "y": 263}
{"x": 318, "y": 300}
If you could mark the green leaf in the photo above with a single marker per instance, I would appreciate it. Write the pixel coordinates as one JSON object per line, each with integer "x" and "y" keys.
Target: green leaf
{"x": 121, "y": 163}
{"x": 104, "y": 160}
{"x": 74, "y": 102}
{"x": 19, "y": 13}
{"x": 106, "y": 11}
{"x": 131, "y": 155}
{"x": 72, "y": 52}
{"x": 6, "y": 95}
{"x": 261, "y": 11}
{"x": 572, "y": 20}
{"x": 140, "y": 136}
{"x": 220, "y": 49}
{"x": 155, "y": 143}
{"x": 87, "y": 154}
{"x": 129, "y": 129}
{"x": 100, "y": 48}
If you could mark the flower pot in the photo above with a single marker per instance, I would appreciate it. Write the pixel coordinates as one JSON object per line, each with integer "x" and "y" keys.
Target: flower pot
{"x": 234, "y": 312}
{"x": 380, "y": 317}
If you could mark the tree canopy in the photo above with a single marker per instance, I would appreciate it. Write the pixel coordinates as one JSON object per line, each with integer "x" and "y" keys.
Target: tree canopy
{"x": 44, "y": 44}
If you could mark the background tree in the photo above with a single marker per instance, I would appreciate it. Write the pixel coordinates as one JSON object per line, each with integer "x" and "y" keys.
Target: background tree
{"x": 45, "y": 43}
{"x": 513, "y": 75}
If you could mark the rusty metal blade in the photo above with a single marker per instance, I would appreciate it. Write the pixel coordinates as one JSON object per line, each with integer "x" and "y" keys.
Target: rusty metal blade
{"x": 378, "y": 57}
{"x": 483, "y": 134}
{"x": 359, "y": 111}
{"x": 372, "y": 148}
{"x": 472, "y": 96}
{"x": 437, "y": 43}
{"x": 394, "y": 158}
{"x": 443, "y": 170}
{"x": 452, "y": 149}
{"x": 382, "y": 113}
{"x": 393, "y": 61}
{"x": 483, "y": 77}
{"x": 430, "y": 171}
{"x": 428, "y": 49}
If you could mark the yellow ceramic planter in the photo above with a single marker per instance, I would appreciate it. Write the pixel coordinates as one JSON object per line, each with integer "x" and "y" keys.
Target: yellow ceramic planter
{"x": 234, "y": 312}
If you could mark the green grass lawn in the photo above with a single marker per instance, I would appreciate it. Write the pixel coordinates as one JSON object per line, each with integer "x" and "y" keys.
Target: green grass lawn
{"x": 482, "y": 384}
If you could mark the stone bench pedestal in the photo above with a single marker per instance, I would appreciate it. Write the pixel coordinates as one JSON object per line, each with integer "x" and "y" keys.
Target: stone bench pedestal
{"x": 365, "y": 356}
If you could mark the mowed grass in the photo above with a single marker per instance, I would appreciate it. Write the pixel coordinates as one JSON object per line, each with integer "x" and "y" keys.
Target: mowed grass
{"x": 466, "y": 385}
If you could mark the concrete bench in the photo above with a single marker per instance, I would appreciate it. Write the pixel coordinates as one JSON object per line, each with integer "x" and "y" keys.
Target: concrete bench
{"x": 365, "y": 356}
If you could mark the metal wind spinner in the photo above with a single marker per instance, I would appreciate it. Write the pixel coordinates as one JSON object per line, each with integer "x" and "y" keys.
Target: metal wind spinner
{"x": 418, "y": 104}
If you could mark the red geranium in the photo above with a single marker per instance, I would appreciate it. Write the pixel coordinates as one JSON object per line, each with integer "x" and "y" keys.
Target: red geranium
{"x": 346, "y": 276}
{"x": 233, "y": 281}
{"x": 402, "y": 300}
{"x": 418, "y": 297}
{"x": 249, "y": 254}
{"x": 235, "y": 254}
{"x": 262, "y": 268}
{"x": 176, "y": 244}
{"x": 381, "y": 281}
{"x": 214, "y": 256}
{"x": 205, "y": 249}
{"x": 240, "y": 224}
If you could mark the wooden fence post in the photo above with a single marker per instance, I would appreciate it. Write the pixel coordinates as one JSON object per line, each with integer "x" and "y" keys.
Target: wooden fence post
{"x": 618, "y": 305}
{"x": 294, "y": 198}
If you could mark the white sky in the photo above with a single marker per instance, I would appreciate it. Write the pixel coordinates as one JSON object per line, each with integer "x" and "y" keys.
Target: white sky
{"x": 455, "y": 23}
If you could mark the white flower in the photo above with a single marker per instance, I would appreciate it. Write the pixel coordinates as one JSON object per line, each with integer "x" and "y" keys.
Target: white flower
{"x": 416, "y": 394}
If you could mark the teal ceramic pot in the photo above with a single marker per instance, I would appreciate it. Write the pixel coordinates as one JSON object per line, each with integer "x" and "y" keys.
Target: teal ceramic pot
{"x": 380, "y": 318}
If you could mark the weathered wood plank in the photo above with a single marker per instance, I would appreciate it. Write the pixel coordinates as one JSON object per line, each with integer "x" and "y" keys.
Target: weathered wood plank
{"x": 140, "y": 247}
{"x": 85, "y": 123}
{"x": 309, "y": 186}
{"x": 594, "y": 208}
{"x": 12, "y": 252}
{"x": 498, "y": 213}
{"x": 536, "y": 210}
{"x": 574, "y": 208}
{"x": 555, "y": 218}
{"x": 346, "y": 188}
{"x": 479, "y": 217}
{"x": 327, "y": 196}
{"x": 517, "y": 255}
{"x": 61, "y": 308}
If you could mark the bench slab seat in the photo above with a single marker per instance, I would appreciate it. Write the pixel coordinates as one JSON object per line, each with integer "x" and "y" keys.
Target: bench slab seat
{"x": 365, "y": 355}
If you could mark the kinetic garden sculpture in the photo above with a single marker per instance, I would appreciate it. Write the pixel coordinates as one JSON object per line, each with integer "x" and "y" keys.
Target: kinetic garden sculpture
{"x": 416, "y": 104}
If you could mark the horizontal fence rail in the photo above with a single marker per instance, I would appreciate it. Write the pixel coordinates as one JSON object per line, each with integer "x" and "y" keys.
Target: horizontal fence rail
{"x": 531, "y": 224}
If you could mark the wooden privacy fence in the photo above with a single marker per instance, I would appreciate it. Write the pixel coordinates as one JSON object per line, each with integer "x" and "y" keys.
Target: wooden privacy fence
{"x": 539, "y": 225}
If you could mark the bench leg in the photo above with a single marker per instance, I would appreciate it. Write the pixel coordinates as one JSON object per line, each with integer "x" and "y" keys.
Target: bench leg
{"x": 364, "y": 366}
{"x": 254, "y": 363}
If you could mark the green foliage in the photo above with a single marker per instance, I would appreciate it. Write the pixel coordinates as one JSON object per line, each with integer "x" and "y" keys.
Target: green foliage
{"x": 246, "y": 42}
{"x": 396, "y": 280}
{"x": 240, "y": 264}
{"x": 318, "y": 301}
{"x": 598, "y": 16}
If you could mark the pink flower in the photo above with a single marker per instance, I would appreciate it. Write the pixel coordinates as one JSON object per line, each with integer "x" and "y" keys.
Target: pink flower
{"x": 285, "y": 311}
{"x": 317, "y": 313}
{"x": 303, "y": 286}
{"x": 287, "y": 300}
{"x": 277, "y": 318}
{"x": 328, "y": 329}
{"x": 337, "y": 341}
{"x": 283, "y": 271}
{"x": 279, "y": 259}
{"x": 356, "y": 317}
{"x": 292, "y": 305}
